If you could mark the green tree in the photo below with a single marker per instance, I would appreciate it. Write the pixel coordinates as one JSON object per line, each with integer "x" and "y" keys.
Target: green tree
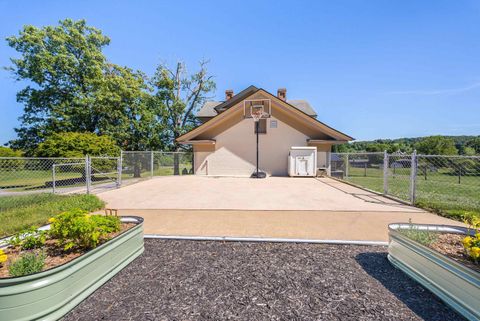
{"x": 72, "y": 88}
{"x": 475, "y": 144}
{"x": 436, "y": 145}
{"x": 73, "y": 144}
{"x": 180, "y": 95}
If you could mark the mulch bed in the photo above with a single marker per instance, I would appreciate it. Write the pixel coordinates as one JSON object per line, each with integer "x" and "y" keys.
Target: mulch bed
{"x": 196, "y": 280}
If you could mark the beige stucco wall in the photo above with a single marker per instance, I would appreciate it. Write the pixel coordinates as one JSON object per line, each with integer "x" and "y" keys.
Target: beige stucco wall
{"x": 235, "y": 150}
{"x": 201, "y": 153}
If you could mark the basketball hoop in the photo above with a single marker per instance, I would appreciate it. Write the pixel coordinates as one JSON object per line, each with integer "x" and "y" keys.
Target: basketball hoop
{"x": 257, "y": 112}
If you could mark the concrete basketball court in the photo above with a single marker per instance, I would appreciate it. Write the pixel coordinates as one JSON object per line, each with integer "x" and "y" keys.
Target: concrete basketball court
{"x": 275, "y": 207}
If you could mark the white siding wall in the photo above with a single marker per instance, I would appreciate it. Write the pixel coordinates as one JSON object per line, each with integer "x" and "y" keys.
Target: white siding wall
{"x": 235, "y": 150}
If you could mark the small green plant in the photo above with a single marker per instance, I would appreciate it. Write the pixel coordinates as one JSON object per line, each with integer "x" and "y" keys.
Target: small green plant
{"x": 77, "y": 228}
{"x": 28, "y": 239}
{"x": 471, "y": 244}
{"x": 28, "y": 263}
{"x": 423, "y": 237}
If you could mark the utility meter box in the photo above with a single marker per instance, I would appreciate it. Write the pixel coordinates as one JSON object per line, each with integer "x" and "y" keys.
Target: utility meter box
{"x": 302, "y": 161}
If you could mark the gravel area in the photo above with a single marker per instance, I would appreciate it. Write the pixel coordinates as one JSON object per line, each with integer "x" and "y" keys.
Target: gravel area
{"x": 196, "y": 280}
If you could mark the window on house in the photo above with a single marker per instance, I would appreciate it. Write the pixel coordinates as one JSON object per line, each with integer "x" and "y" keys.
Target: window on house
{"x": 262, "y": 126}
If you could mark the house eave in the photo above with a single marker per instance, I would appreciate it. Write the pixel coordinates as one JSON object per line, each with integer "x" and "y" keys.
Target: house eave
{"x": 199, "y": 142}
{"x": 326, "y": 141}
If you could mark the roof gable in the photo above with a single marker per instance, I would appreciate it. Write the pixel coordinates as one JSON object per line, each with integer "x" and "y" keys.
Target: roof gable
{"x": 289, "y": 114}
{"x": 213, "y": 108}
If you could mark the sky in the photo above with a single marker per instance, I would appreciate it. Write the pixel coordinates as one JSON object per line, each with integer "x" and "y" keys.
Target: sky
{"x": 371, "y": 69}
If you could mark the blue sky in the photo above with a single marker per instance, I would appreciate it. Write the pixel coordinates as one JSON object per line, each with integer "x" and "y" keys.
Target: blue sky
{"x": 372, "y": 69}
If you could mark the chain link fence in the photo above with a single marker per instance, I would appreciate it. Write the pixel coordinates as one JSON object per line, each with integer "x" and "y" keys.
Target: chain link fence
{"x": 445, "y": 184}
{"x": 137, "y": 164}
{"x": 34, "y": 174}
{"x": 88, "y": 174}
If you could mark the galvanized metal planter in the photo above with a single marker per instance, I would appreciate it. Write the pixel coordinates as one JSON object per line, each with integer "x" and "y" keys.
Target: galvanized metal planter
{"x": 50, "y": 294}
{"x": 454, "y": 283}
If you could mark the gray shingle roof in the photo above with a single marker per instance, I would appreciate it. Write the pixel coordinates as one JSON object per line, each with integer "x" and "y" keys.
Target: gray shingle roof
{"x": 303, "y": 105}
{"x": 208, "y": 109}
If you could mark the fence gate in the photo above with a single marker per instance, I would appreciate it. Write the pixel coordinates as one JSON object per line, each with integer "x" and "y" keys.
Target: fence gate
{"x": 90, "y": 175}
{"x": 105, "y": 173}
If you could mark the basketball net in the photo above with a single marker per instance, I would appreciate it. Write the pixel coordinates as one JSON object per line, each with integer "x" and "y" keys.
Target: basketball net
{"x": 256, "y": 112}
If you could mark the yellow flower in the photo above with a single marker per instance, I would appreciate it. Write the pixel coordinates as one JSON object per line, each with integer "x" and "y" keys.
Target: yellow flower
{"x": 475, "y": 252}
{"x": 3, "y": 257}
{"x": 51, "y": 220}
{"x": 467, "y": 242}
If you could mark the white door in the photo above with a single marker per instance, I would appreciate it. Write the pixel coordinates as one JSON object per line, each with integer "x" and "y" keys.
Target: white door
{"x": 302, "y": 165}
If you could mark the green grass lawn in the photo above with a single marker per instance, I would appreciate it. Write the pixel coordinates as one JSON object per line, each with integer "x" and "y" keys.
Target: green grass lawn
{"x": 22, "y": 211}
{"x": 31, "y": 179}
{"x": 439, "y": 191}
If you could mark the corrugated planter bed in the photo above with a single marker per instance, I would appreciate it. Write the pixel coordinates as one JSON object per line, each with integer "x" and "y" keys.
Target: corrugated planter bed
{"x": 453, "y": 282}
{"x": 50, "y": 294}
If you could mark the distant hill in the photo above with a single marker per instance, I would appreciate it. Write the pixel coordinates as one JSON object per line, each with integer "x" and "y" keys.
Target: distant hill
{"x": 464, "y": 144}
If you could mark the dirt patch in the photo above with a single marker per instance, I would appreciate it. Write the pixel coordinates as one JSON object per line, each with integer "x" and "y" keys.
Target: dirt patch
{"x": 55, "y": 254}
{"x": 450, "y": 245}
{"x": 199, "y": 280}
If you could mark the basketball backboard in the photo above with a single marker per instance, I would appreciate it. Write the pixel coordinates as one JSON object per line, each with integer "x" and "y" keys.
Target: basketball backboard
{"x": 255, "y": 105}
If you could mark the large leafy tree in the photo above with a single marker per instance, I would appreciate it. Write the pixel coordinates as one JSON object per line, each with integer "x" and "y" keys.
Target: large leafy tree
{"x": 180, "y": 94}
{"x": 72, "y": 88}
{"x": 474, "y": 144}
{"x": 436, "y": 145}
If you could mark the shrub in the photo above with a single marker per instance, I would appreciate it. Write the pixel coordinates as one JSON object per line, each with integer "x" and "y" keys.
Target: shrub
{"x": 77, "y": 228}
{"x": 8, "y": 152}
{"x": 77, "y": 145}
{"x": 28, "y": 263}
{"x": 471, "y": 244}
{"x": 3, "y": 257}
{"x": 28, "y": 239}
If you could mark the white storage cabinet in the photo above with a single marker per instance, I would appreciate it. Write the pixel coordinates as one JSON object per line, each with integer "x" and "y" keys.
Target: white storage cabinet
{"x": 302, "y": 161}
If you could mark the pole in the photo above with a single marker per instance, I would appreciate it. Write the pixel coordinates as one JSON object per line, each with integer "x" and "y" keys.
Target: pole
{"x": 119, "y": 170}
{"x": 346, "y": 166}
{"x": 413, "y": 177}
{"x": 53, "y": 178}
{"x": 87, "y": 173}
{"x": 385, "y": 173}
{"x": 256, "y": 125}
{"x": 151, "y": 164}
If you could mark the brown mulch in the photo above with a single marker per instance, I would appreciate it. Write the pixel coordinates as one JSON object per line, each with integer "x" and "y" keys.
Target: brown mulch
{"x": 55, "y": 254}
{"x": 450, "y": 244}
{"x": 201, "y": 280}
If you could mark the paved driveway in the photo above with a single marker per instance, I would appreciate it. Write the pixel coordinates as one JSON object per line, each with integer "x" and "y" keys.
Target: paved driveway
{"x": 230, "y": 193}
{"x": 276, "y": 207}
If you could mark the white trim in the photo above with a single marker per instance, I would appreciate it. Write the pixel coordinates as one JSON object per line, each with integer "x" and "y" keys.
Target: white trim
{"x": 261, "y": 239}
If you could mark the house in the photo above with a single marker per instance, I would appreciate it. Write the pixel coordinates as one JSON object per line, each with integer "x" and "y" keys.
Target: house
{"x": 225, "y": 142}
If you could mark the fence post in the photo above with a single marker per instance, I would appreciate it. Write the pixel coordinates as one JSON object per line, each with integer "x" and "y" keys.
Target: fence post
{"x": 53, "y": 178}
{"x": 151, "y": 164}
{"x": 385, "y": 172}
{"x": 119, "y": 169}
{"x": 413, "y": 177}
{"x": 346, "y": 165}
{"x": 88, "y": 169}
